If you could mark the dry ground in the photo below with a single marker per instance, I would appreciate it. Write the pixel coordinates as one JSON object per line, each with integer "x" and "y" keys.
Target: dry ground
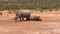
{"x": 50, "y": 24}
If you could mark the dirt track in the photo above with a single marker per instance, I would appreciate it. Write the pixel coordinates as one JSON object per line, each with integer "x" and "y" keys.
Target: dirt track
{"x": 50, "y": 24}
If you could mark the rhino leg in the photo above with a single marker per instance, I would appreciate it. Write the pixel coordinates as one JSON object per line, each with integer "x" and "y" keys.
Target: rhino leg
{"x": 22, "y": 19}
{"x": 27, "y": 18}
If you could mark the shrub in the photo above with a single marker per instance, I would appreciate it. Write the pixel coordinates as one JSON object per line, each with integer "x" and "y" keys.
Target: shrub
{"x": 10, "y": 12}
{"x": 41, "y": 10}
{"x": 14, "y": 11}
{"x": 1, "y": 13}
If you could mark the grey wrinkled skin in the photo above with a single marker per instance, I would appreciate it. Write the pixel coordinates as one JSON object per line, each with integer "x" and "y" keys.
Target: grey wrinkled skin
{"x": 23, "y": 14}
{"x": 37, "y": 18}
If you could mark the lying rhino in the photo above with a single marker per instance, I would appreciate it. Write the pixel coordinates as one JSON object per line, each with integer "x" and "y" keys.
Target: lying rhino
{"x": 23, "y": 14}
{"x": 36, "y": 18}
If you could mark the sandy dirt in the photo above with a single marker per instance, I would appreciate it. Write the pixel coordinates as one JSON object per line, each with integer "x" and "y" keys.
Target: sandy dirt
{"x": 50, "y": 24}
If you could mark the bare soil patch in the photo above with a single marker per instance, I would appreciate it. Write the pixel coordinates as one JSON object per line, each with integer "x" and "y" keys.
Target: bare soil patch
{"x": 50, "y": 24}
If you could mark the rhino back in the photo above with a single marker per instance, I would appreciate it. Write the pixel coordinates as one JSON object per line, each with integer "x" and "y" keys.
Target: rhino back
{"x": 24, "y": 13}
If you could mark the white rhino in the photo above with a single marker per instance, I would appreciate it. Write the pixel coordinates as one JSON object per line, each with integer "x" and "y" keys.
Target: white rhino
{"x": 23, "y": 14}
{"x": 36, "y": 18}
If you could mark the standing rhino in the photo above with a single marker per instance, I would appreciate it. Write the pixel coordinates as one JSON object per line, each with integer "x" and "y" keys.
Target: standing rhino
{"x": 23, "y": 14}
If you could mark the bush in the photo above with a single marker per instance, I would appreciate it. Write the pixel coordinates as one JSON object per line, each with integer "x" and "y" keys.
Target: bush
{"x": 10, "y": 12}
{"x": 1, "y": 13}
{"x": 41, "y": 10}
{"x": 31, "y": 4}
{"x": 14, "y": 11}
